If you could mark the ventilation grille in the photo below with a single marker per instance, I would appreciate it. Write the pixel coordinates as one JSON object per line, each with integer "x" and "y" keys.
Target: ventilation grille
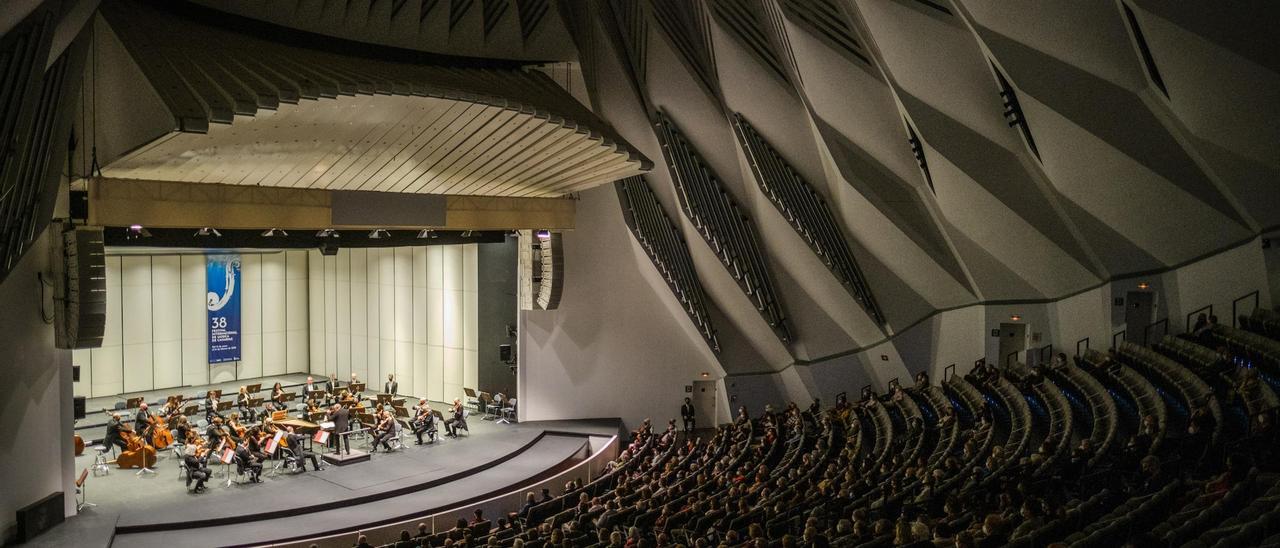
{"x": 531, "y": 13}
{"x": 662, "y": 242}
{"x": 745, "y": 21}
{"x": 493, "y": 11}
{"x": 457, "y": 10}
{"x": 807, "y": 212}
{"x": 723, "y": 224}
{"x": 1147, "y": 60}
{"x": 635, "y": 34}
{"x": 825, "y": 20}
{"x": 1013, "y": 110}
{"x": 685, "y": 25}
{"x": 917, "y": 150}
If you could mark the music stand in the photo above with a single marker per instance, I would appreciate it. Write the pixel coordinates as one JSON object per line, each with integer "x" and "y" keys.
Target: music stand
{"x": 401, "y": 411}
{"x": 288, "y": 397}
{"x": 355, "y": 388}
{"x": 384, "y": 398}
{"x": 133, "y": 403}
{"x": 318, "y": 416}
{"x": 191, "y": 410}
{"x": 217, "y": 393}
{"x": 80, "y": 490}
{"x": 397, "y": 402}
{"x": 253, "y": 388}
{"x": 225, "y": 405}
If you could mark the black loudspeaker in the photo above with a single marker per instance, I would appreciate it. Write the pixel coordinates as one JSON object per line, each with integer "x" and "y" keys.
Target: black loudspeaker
{"x": 329, "y": 248}
{"x": 84, "y": 311}
{"x": 504, "y": 353}
{"x": 79, "y": 205}
{"x": 75, "y": 373}
{"x": 39, "y": 517}
{"x": 78, "y": 406}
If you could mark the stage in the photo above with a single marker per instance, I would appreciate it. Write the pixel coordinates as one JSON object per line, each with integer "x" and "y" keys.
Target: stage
{"x": 492, "y": 459}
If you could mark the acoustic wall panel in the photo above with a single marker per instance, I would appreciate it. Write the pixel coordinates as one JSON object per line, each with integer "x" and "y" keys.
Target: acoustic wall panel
{"x": 387, "y": 313}
{"x": 166, "y": 321}
{"x": 80, "y": 358}
{"x": 435, "y": 324}
{"x": 250, "y": 364}
{"x": 195, "y": 342}
{"x": 403, "y": 315}
{"x": 419, "y": 385}
{"x": 109, "y": 357}
{"x": 274, "y": 301}
{"x": 359, "y": 325}
{"x": 373, "y": 316}
{"x": 470, "y": 323}
{"x": 315, "y": 313}
{"x": 342, "y": 316}
{"x": 135, "y": 329}
{"x": 331, "y": 315}
{"x": 296, "y": 314}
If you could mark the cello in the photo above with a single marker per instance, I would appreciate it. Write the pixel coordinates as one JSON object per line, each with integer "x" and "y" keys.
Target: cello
{"x": 137, "y": 453}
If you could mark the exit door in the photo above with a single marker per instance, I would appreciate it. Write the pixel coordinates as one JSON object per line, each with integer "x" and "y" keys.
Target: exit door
{"x": 1138, "y": 311}
{"x": 704, "y": 403}
{"x": 1013, "y": 340}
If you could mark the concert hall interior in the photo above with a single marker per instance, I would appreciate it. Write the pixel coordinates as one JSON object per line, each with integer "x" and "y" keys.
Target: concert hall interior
{"x": 639, "y": 273}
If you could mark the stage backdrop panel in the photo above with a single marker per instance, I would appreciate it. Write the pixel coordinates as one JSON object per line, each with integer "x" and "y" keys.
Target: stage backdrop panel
{"x": 408, "y": 311}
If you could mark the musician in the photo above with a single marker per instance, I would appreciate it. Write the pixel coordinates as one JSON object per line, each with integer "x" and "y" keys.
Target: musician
{"x": 686, "y": 413}
{"x": 313, "y": 406}
{"x": 341, "y": 417}
{"x": 258, "y": 438}
{"x": 354, "y": 381}
{"x": 114, "y": 427}
{"x": 197, "y": 462}
{"x": 310, "y": 387}
{"x": 456, "y": 421}
{"x": 383, "y": 431}
{"x": 331, "y": 385}
{"x": 277, "y": 397}
{"x": 242, "y": 403}
{"x": 217, "y": 432}
{"x": 391, "y": 387}
{"x": 142, "y": 421}
{"x": 211, "y": 399}
{"x": 297, "y": 442}
{"x": 172, "y": 408}
{"x": 248, "y": 461}
{"x": 424, "y": 421}
{"x": 181, "y": 428}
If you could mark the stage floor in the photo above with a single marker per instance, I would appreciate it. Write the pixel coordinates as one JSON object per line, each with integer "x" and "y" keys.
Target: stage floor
{"x": 158, "y": 510}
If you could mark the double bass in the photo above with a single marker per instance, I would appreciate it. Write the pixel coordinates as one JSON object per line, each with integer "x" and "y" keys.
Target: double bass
{"x": 137, "y": 453}
{"x": 161, "y": 436}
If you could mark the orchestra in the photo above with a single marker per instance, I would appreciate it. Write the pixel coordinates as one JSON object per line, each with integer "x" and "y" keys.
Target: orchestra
{"x": 248, "y": 437}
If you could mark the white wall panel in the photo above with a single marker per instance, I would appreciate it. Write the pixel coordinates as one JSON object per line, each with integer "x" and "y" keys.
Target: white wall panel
{"x": 359, "y": 327}
{"x": 273, "y": 314}
{"x": 386, "y": 313}
{"x": 250, "y": 364}
{"x": 404, "y": 315}
{"x": 166, "y": 321}
{"x": 331, "y": 314}
{"x": 342, "y": 314}
{"x": 435, "y": 323}
{"x": 109, "y": 357}
{"x": 470, "y": 318}
{"x": 315, "y": 300}
{"x": 135, "y": 310}
{"x": 297, "y": 349}
{"x": 373, "y": 302}
{"x": 419, "y": 385}
{"x": 195, "y": 342}
{"x": 82, "y": 358}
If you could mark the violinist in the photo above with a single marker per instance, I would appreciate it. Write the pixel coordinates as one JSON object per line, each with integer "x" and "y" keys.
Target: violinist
{"x": 211, "y": 406}
{"x": 451, "y": 426}
{"x": 277, "y": 397}
{"x": 258, "y": 438}
{"x": 383, "y": 431}
{"x": 197, "y": 462}
{"x": 181, "y": 428}
{"x": 172, "y": 408}
{"x": 142, "y": 421}
{"x": 424, "y": 421}
{"x": 313, "y": 406}
{"x": 243, "y": 403}
{"x": 114, "y": 429}
{"x": 249, "y": 462}
{"x": 234, "y": 427}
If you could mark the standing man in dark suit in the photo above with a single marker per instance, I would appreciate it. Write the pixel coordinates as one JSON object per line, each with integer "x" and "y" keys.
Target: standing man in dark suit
{"x": 331, "y": 384}
{"x": 113, "y": 437}
{"x": 686, "y": 413}
{"x": 392, "y": 386}
{"x": 341, "y": 417}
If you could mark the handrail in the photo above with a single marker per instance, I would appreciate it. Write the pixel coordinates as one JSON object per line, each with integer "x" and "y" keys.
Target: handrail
{"x": 1146, "y": 331}
{"x": 586, "y": 470}
{"x": 948, "y": 372}
{"x": 1235, "y": 318}
{"x": 1197, "y": 311}
{"x": 1086, "y": 345}
{"x": 1119, "y": 334}
{"x": 1041, "y": 353}
{"x": 1013, "y": 354}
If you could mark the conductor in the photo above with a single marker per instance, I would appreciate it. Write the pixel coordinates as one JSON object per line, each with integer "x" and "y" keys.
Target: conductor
{"x": 341, "y": 417}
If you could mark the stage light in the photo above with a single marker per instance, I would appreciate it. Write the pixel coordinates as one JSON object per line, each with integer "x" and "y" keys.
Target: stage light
{"x": 466, "y": 233}
{"x": 1015, "y": 317}
{"x": 427, "y": 233}
{"x": 328, "y": 233}
{"x": 544, "y": 234}
{"x": 378, "y": 234}
{"x": 705, "y": 374}
{"x": 1143, "y": 285}
{"x": 274, "y": 233}
{"x": 136, "y": 231}
{"x": 207, "y": 231}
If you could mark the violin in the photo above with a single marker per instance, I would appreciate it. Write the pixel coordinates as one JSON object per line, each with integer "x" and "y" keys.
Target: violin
{"x": 137, "y": 453}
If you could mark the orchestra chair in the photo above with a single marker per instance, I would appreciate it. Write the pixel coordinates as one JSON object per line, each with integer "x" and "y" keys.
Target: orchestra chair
{"x": 100, "y": 467}
{"x": 486, "y": 400}
{"x": 238, "y": 478}
{"x": 508, "y": 412}
{"x": 462, "y": 424}
{"x": 472, "y": 399}
{"x": 287, "y": 460}
{"x": 81, "y": 497}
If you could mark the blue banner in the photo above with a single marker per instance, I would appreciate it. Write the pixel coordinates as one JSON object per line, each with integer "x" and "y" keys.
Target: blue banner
{"x": 222, "y": 279}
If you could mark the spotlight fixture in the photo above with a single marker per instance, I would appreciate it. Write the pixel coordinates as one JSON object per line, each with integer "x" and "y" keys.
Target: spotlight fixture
{"x": 544, "y": 234}
{"x": 1015, "y": 317}
{"x": 466, "y": 233}
{"x": 378, "y": 234}
{"x": 427, "y": 233}
{"x": 1143, "y": 285}
{"x": 274, "y": 233}
{"x": 136, "y": 231}
{"x": 328, "y": 233}
{"x": 207, "y": 231}
{"x": 705, "y": 374}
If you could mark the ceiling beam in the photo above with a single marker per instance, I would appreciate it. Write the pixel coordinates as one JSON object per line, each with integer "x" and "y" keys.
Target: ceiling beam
{"x": 170, "y": 204}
